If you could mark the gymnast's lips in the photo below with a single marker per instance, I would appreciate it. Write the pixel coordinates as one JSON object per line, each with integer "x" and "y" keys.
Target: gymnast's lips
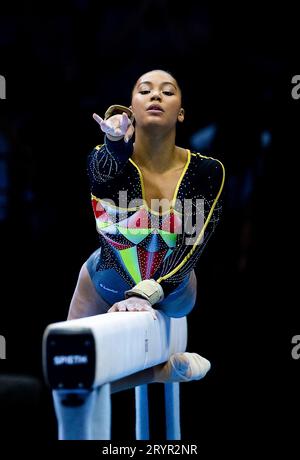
{"x": 155, "y": 107}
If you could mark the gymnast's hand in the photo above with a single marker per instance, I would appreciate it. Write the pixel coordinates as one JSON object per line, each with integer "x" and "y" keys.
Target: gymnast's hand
{"x": 116, "y": 127}
{"x": 133, "y": 304}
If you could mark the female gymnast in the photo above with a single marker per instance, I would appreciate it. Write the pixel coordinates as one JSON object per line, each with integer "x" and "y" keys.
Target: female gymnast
{"x": 156, "y": 205}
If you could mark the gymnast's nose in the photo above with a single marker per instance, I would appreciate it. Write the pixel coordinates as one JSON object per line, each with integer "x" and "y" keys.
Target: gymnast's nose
{"x": 155, "y": 95}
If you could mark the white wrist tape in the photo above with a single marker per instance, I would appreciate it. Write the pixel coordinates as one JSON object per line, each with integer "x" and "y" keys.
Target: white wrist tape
{"x": 147, "y": 289}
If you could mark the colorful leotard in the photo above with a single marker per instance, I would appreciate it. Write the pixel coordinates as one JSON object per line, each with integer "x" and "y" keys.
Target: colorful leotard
{"x": 137, "y": 243}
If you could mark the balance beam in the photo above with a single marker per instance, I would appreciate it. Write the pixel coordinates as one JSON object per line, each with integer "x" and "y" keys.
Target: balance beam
{"x": 82, "y": 357}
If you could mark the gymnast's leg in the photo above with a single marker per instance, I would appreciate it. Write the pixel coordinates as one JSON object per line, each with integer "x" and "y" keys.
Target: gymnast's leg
{"x": 181, "y": 367}
{"x": 86, "y": 301}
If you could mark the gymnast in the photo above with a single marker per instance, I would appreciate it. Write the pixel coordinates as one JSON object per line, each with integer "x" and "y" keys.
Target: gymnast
{"x": 155, "y": 205}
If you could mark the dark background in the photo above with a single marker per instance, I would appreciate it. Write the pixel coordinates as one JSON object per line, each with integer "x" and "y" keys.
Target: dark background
{"x": 235, "y": 65}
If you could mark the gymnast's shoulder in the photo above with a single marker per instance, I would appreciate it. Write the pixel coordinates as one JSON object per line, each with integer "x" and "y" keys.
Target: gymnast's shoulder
{"x": 208, "y": 164}
{"x": 208, "y": 173}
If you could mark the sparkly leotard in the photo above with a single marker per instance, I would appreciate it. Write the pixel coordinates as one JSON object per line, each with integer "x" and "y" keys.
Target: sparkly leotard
{"x": 137, "y": 243}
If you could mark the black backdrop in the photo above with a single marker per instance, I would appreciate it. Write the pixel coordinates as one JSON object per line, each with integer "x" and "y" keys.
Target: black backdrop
{"x": 235, "y": 65}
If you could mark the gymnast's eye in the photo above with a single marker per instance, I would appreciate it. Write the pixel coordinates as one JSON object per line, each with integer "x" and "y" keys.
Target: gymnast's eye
{"x": 168, "y": 93}
{"x": 144, "y": 91}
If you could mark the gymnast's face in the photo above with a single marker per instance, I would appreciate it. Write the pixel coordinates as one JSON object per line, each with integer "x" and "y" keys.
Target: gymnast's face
{"x": 156, "y": 100}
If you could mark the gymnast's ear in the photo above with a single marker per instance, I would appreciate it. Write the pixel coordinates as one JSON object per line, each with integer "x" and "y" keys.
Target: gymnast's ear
{"x": 180, "y": 117}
